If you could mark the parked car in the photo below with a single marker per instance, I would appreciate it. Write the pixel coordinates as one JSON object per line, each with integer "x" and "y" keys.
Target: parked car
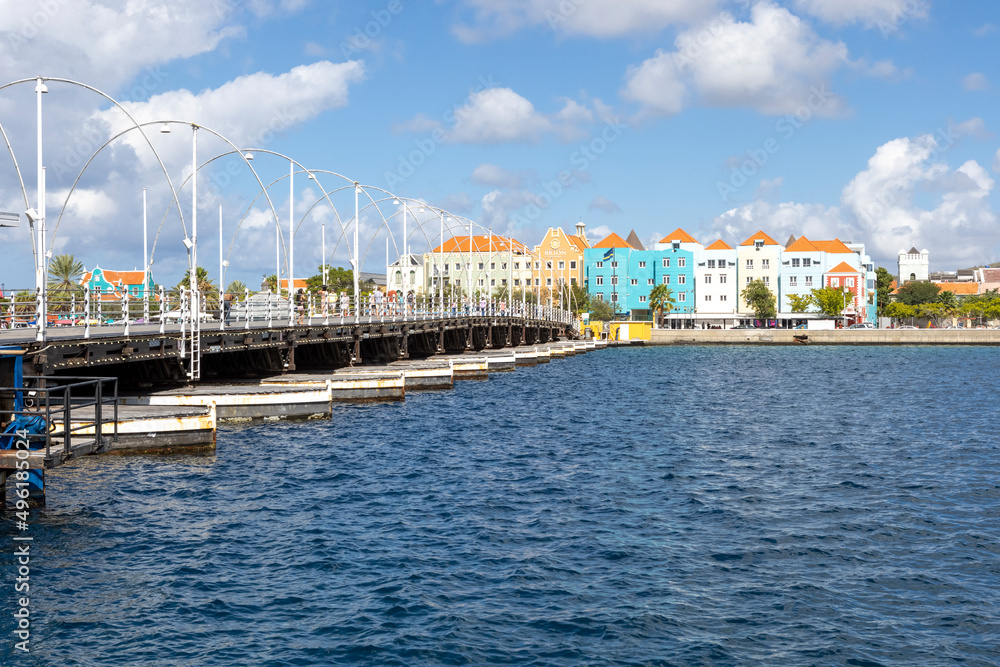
{"x": 862, "y": 325}
{"x": 906, "y": 326}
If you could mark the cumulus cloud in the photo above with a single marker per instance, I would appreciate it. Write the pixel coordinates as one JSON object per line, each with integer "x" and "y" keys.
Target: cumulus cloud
{"x": 885, "y": 205}
{"x": 975, "y": 81}
{"x": 884, "y": 14}
{"x": 604, "y": 204}
{"x": 493, "y": 19}
{"x": 247, "y": 108}
{"x": 774, "y": 63}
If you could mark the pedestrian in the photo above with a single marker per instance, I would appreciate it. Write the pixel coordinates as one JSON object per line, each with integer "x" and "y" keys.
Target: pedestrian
{"x": 300, "y": 306}
{"x": 324, "y": 300}
{"x": 409, "y": 302}
{"x": 345, "y": 304}
{"x": 227, "y": 305}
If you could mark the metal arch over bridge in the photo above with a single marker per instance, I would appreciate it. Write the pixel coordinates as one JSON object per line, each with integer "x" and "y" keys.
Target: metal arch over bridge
{"x": 105, "y": 330}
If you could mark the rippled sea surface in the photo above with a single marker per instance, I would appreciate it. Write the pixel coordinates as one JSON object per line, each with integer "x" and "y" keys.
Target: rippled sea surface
{"x": 653, "y": 506}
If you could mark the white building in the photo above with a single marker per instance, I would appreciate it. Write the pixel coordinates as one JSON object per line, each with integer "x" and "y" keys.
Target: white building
{"x": 913, "y": 265}
{"x": 716, "y": 289}
{"x": 406, "y": 274}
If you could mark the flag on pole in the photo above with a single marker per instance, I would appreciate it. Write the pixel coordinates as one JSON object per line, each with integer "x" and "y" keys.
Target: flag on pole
{"x": 609, "y": 254}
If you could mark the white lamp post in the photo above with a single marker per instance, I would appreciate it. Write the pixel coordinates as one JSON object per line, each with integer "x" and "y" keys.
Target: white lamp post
{"x": 40, "y": 272}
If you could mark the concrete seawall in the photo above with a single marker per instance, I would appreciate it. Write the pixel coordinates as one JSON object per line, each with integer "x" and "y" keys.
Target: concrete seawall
{"x": 835, "y": 337}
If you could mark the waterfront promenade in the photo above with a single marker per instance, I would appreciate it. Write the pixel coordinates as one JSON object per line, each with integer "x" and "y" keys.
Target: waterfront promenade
{"x": 820, "y": 337}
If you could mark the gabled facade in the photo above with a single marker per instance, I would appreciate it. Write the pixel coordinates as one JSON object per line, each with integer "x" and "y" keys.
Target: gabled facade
{"x": 850, "y": 281}
{"x": 912, "y": 264}
{"x": 802, "y": 266}
{"x": 716, "y": 286}
{"x": 605, "y": 267}
{"x": 114, "y": 284}
{"x": 758, "y": 257}
{"x": 560, "y": 258}
{"x": 406, "y": 274}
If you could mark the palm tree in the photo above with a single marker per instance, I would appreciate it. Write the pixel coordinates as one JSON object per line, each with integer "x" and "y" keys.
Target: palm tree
{"x": 661, "y": 298}
{"x": 237, "y": 288}
{"x": 65, "y": 272}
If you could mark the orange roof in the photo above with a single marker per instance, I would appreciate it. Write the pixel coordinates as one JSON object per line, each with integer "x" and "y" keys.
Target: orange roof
{"x": 802, "y": 244}
{"x": 579, "y": 243}
{"x": 482, "y": 243}
{"x": 835, "y": 246}
{"x": 300, "y": 283}
{"x": 959, "y": 289}
{"x": 719, "y": 245}
{"x": 843, "y": 267}
{"x": 678, "y": 235}
{"x": 760, "y": 236}
{"x": 612, "y": 240}
{"x": 116, "y": 277}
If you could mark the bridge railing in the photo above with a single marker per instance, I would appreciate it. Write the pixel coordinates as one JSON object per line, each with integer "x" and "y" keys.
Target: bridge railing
{"x": 96, "y": 309}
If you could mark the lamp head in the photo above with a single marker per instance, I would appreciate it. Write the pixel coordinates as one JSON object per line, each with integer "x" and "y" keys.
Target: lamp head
{"x": 248, "y": 156}
{"x": 40, "y": 87}
{"x": 187, "y": 243}
{"x": 32, "y": 215}
{"x": 164, "y": 128}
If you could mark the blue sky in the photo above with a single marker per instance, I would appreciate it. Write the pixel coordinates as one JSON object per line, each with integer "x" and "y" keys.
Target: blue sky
{"x": 870, "y": 120}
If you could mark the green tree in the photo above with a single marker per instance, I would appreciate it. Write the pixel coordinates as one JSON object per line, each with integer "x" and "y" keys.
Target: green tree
{"x": 601, "y": 311}
{"x": 579, "y": 300}
{"x": 830, "y": 300}
{"x": 661, "y": 298}
{"x": 917, "y": 292}
{"x": 800, "y": 303}
{"x": 883, "y": 286}
{"x": 900, "y": 311}
{"x": 65, "y": 272}
{"x": 236, "y": 288}
{"x": 759, "y": 297}
{"x": 337, "y": 280}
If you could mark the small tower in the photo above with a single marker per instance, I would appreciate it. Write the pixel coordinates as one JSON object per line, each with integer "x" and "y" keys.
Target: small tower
{"x": 913, "y": 264}
{"x": 581, "y": 231}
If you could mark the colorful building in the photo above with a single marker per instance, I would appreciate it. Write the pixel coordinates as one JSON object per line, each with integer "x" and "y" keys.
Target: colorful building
{"x": 114, "y": 284}
{"x": 479, "y": 266}
{"x": 716, "y": 287}
{"x": 559, "y": 258}
{"x": 757, "y": 258}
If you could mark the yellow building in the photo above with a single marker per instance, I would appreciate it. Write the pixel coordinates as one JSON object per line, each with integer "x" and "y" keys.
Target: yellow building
{"x": 559, "y": 259}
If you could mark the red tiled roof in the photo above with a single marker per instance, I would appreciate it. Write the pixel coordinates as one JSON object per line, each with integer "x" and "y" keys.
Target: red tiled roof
{"x": 802, "y": 244}
{"x": 719, "y": 245}
{"x": 612, "y": 240}
{"x": 843, "y": 267}
{"x": 836, "y": 246}
{"x": 482, "y": 244}
{"x": 760, "y": 236}
{"x": 959, "y": 289}
{"x": 678, "y": 235}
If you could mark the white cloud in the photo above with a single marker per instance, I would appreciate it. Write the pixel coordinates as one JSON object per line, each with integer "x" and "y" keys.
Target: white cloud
{"x": 775, "y": 63}
{"x": 491, "y": 175}
{"x": 974, "y": 127}
{"x": 246, "y": 109}
{"x": 996, "y": 162}
{"x": 594, "y": 18}
{"x": 884, "y": 14}
{"x": 499, "y": 115}
{"x": 106, "y": 43}
{"x": 907, "y": 195}
{"x": 601, "y": 203}
{"x": 975, "y": 81}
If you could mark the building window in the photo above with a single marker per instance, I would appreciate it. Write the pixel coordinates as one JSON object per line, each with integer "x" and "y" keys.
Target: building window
{"x": 722, "y": 278}
{"x": 572, "y": 265}
{"x": 749, "y": 263}
{"x": 517, "y": 282}
{"x": 614, "y": 280}
{"x": 666, "y": 262}
{"x": 614, "y": 265}
{"x": 708, "y": 278}
{"x": 538, "y": 282}
{"x": 572, "y": 281}
{"x": 722, "y": 297}
{"x": 493, "y": 266}
{"x": 767, "y": 281}
{"x": 749, "y": 279}
{"x": 666, "y": 280}
{"x": 600, "y": 297}
{"x": 481, "y": 266}
{"x": 682, "y": 297}
{"x": 548, "y": 282}
{"x": 806, "y": 262}
{"x": 493, "y": 282}
{"x": 548, "y": 266}
{"x": 503, "y": 282}
{"x": 711, "y": 263}
{"x": 635, "y": 281}
{"x": 538, "y": 266}
{"x": 681, "y": 262}
{"x": 765, "y": 264}
{"x": 600, "y": 265}
{"x": 708, "y": 297}
{"x": 650, "y": 282}
{"x": 614, "y": 297}
{"x": 482, "y": 283}
{"x": 681, "y": 279}
{"x": 793, "y": 281}
{"x": 562, "y": 266}
{"x": 795, "y": 262}
{"x": 642, "y": 265}
{"x": 642, "y": 299}
{"x": 850, "y": 282}
{"x": 599, "y": 280}
{"x": 503, "y": 267}
{"x": 834, "y": 282}
{"x": 809, "y": 281}
{"x": 517, "y": 266}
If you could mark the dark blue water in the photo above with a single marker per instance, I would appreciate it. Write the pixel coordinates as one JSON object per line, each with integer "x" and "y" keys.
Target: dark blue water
{"x": 692, "y": 506}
